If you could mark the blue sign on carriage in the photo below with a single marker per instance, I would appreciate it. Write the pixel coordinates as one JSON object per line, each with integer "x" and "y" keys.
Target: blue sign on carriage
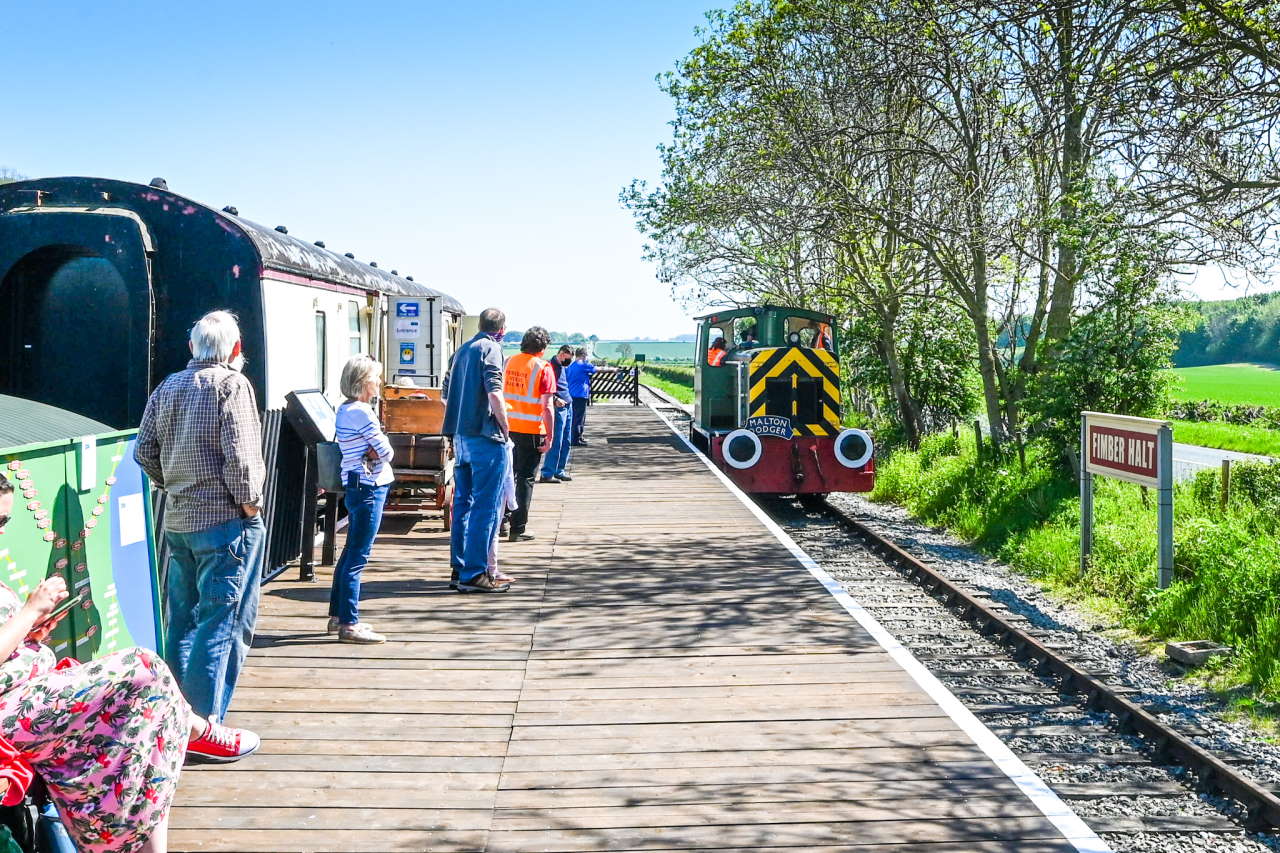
{"x": 770, "y": 425}
{"x": 407, "y": 309}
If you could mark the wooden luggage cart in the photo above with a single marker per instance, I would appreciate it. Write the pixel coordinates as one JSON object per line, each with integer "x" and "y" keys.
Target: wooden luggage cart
{"x": 423, "y": 456}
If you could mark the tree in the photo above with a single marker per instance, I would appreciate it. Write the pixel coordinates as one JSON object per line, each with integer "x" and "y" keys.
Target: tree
{"x": 624, "y": 351}
{"x": 912, "y": 166}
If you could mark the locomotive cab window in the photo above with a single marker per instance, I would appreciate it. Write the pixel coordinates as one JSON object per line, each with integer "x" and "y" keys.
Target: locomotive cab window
{"x": 811, "y": 333}
{"x": 717, "y": 346}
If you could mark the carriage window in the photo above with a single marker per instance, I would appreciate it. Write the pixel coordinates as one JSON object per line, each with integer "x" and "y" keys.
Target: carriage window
{"x": 322, "y": 359}
{"x": 355, "y": 322}
{"x": 717, "y": 346}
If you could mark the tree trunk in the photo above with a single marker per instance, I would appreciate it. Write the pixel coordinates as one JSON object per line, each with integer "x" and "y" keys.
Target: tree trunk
{"x": 1065, "y": 278}
{"x": 907, "y": 408}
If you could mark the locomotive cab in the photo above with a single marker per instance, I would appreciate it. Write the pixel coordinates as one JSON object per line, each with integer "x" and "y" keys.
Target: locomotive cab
{"x": 767, "y": 404}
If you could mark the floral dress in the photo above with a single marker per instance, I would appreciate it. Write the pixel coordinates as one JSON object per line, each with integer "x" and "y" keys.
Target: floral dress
{"x": 108, "y": 737}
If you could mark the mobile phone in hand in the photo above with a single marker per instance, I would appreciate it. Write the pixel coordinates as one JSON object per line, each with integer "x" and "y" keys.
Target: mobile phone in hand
{"x": 62, "y": 607}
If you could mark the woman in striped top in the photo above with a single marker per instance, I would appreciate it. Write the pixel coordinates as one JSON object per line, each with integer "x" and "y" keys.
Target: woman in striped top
{"x": 366, "y": 472}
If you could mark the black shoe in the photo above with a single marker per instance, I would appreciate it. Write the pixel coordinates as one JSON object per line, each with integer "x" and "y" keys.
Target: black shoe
{"x": 564, "y": 478}
{"x": 483, "y": 584}
{"x": 584, "y": 443}
{"x": 549, "y": 480}
{"x": 519, "y": 537}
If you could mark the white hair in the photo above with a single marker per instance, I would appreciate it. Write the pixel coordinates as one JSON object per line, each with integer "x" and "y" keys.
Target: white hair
{"x": 214, "y": 336}
{"x": 358, "y": 372}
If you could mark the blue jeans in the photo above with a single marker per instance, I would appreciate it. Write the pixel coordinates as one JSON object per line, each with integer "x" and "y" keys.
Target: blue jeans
{"x": 479, "y": 473}
{"x": 553, "y": 464}
{"x": 215, "y": 576}
{"x": 579, "y": 418}
{"x": 364, "y": 515}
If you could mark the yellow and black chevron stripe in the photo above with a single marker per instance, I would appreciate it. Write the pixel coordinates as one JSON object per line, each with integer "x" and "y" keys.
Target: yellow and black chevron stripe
{"x": 805, "y": 382}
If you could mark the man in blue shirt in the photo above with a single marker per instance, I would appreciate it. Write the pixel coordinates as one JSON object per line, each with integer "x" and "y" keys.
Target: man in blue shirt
{"x": 557, "y": 458}
{"x": 476, "y": 417}
{"x": 578, "y": 376}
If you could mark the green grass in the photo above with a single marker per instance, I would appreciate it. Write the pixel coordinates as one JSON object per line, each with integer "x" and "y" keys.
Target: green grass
{"x": 1227, "y": 565}
{"x": 1251, "y": 384}
{"x": 1224, "y": 436}
{"x": 674, "y": 380}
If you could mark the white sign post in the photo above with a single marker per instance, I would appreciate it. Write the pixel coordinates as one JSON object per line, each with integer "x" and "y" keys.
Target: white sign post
{"x": 1139, "y": 450}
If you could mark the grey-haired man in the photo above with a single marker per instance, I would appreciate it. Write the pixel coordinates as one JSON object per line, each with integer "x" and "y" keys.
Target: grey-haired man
{"x": 200, "y": 440}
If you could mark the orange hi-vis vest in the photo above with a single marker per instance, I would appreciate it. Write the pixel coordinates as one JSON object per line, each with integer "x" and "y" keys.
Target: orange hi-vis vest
{"x": 715, "y": 357}
{"x": 520, "y": 389}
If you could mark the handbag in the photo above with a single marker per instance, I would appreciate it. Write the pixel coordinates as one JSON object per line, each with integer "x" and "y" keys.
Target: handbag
{"x": 329, "y": 467}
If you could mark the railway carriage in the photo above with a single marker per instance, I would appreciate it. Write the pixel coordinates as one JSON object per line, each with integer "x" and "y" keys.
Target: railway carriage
{"x": 101, "y": 280}
{"x": 767, "y": 404}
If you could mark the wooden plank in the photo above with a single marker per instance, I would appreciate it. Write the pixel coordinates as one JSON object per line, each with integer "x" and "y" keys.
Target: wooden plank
{"x": 329, "y": 841}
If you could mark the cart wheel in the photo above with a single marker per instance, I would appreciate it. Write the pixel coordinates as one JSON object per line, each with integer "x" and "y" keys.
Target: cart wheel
{"x": 447, "y": 509}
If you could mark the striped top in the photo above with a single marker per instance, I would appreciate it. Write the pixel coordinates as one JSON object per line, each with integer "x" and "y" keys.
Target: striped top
{"x": 357, "y": 430}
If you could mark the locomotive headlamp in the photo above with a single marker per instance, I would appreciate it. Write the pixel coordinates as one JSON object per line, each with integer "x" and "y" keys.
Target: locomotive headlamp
{"x": 853, "y": 448}
{"x": 741, "y": 448}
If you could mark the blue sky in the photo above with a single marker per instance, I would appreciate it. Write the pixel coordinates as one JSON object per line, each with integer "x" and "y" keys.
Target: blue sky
{"x": 478, "y": 146}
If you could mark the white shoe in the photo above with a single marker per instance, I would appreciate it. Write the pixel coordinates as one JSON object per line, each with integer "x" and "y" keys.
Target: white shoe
{"x": 333, "y": 625}
{"x": 359, "y": 633}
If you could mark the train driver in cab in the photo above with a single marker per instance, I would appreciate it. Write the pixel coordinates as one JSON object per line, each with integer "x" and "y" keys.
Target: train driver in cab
{"x": 715, "y": 355}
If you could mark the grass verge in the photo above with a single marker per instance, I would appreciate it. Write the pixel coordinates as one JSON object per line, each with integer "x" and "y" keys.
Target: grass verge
{"x": 682, "y": 392}
{"x": 1224, "y": 436}
{"x": 1227, "y": 565}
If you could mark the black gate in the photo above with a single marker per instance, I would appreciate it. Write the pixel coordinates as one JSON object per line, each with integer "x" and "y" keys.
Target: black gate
{"x": 620, "y": 384}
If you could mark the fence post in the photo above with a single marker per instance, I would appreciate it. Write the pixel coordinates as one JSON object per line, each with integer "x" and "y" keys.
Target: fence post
{"x": 977, "y": 438}
{"x": 635, "y": 385}
{"x": 1225, "y": 494}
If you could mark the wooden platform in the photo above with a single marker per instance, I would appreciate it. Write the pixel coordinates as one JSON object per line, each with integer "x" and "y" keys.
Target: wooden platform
{"x": 665, "y": 676}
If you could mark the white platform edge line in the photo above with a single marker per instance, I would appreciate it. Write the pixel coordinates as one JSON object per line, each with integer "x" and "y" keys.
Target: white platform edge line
{"x": 1075, "y": 830}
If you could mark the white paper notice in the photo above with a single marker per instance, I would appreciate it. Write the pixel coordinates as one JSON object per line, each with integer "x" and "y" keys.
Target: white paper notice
{"x": 133, "y": 519}
{"x": 408, "y": 327}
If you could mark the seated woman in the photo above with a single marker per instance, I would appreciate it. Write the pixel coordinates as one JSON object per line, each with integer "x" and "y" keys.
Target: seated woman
{"x": 366, "y": 472}
{"x": 108, "y": 736}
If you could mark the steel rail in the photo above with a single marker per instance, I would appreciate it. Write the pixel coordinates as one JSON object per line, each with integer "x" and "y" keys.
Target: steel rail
{"x": 1261, "y": 805}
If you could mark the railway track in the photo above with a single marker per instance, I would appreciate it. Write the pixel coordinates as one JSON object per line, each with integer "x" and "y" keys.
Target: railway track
{"x": 1137, "y": 772}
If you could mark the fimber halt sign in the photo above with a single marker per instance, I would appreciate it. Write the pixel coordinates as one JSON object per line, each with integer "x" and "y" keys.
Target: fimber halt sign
{"x": 1139, "y": 450}
{"x": 1123, "y": 447}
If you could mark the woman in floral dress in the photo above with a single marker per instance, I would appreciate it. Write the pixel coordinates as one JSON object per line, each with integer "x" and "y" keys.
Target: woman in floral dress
{"x": 108, "y": 737}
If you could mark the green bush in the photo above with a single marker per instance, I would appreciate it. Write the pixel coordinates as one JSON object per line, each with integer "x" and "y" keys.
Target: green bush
{"x": 1227, "y": 565}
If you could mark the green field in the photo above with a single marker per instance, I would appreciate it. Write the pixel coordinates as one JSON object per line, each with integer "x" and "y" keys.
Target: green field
{"x": 1245, "y": 439}
{"x": 1248, "y": 384}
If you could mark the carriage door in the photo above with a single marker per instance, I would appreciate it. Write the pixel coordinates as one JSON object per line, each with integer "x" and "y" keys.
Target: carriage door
{"x": 76, "y": 303}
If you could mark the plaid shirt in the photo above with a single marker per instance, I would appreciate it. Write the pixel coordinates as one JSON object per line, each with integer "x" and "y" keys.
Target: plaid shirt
{"x": 200, "y": 440}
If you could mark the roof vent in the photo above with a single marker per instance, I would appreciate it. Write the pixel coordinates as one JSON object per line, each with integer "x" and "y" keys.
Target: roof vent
{"x": 410, "y": 278}
{"x": 159, "y": 184}
{"x": 349, "y": 255}
{"x": 373, "y": 263}
{"x": 231, "y": 210}
{"x": 395, "y": 272}
{"x": 320, "y": 243}
{"x": 282, "y": 229}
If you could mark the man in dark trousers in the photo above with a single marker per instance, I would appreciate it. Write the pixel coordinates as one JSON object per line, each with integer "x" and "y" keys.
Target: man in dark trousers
{"x": 578, "y": 376}
{"x": 557, "y": 458}
{"x": 529, "y": 387}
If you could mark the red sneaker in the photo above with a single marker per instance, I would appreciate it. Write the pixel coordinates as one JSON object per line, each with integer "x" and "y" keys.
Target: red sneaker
{"x": 221, "y": 745}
